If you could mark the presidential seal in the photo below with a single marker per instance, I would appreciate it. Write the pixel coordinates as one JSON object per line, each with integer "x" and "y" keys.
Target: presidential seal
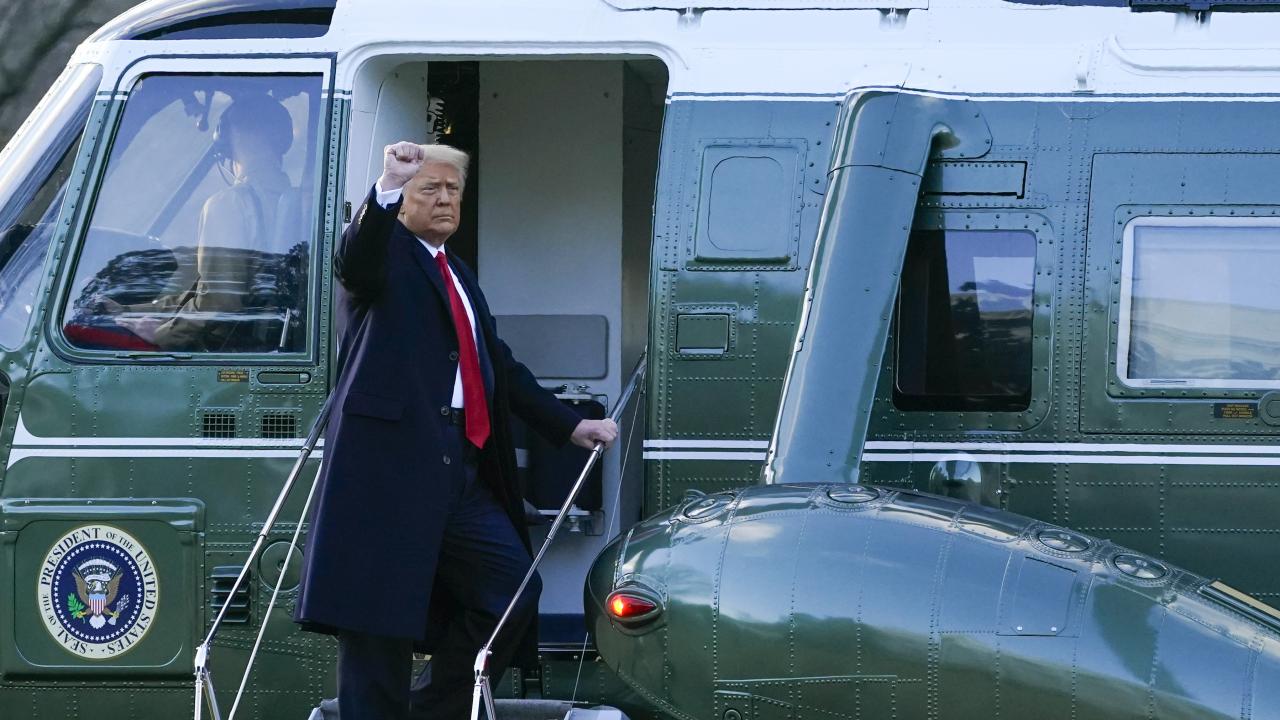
{"x": 98, "y": 591}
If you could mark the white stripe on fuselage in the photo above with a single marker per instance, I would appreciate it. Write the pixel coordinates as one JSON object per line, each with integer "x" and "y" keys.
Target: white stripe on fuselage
{"x": 703, "y": 455}
{"x": 992, "y": 452}
{"x": 18, "y": 454}
{"x": 1040, "y": 447}
{"x": 24, "y": 438}
{"x": 1079, "y": 459}
{"x": 28, "y": 445}
{"x": 708, "y": 444}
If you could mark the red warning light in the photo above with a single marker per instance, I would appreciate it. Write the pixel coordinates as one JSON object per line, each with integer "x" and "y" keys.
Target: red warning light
{"x": 631, "y": 606}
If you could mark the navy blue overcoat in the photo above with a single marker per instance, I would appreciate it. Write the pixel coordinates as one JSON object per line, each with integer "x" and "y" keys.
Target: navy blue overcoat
{"x": 379, "y": 517}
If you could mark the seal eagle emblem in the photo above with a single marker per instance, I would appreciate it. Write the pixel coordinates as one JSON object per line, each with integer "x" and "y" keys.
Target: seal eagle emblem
{"x": 98, "y": 591}
{"x": 97, "y": 584}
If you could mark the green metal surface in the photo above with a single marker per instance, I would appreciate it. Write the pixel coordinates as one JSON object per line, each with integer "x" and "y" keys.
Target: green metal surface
{"x": 730, "y": 396}
{"x": 703, "y": 333}
{"x": 1090, "y": 171}
{"x": 814, "y": 601}
{"x": 887, "y": 141}
{"x": 1090, "y": 167}
{"x": 167, "y": 533}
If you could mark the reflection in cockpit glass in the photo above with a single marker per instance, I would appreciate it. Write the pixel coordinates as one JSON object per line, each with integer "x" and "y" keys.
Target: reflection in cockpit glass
{"x": 22, "y": 252}
{"x": 33, "y": 183}
{"x": 200, "y": 237}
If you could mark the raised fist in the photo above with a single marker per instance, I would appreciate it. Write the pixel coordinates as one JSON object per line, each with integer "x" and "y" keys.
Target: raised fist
{"x": 400, "y": 162}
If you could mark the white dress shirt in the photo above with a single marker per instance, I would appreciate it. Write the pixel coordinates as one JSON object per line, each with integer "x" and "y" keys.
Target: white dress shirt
{"x": 387, "y": 198}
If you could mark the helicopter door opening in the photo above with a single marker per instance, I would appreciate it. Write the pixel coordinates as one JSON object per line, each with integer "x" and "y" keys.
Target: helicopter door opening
{"x": 557, "y": 221}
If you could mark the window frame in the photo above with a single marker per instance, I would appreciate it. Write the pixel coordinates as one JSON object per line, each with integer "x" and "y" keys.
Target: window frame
{"x": 1124, "y": 312}
{"x": 80, "y": 132}
{"x": 932, "y": 422}
{"x": 36, "y": 141}
{"x": 322, "y": 65}
{"x": 903, "y": 400}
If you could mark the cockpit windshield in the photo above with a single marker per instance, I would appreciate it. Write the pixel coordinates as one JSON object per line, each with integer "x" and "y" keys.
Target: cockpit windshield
{"x": 201, "y": 233}
{"x": 34, "y": 170}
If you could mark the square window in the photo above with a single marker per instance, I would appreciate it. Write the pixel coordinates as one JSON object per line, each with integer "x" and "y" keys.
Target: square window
{"x": 965, "y": 321}
{"x": 1200, "y": 303}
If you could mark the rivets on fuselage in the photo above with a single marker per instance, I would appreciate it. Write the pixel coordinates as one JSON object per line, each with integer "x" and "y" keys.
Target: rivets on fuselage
{"x": 1136, "y": 566}
{"x": 703, "y": 508}
{"x": 1063, "y": 541}
{"x": 852, "y": 494}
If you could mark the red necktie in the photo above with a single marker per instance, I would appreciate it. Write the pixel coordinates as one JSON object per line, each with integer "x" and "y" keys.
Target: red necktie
{"x": 468, "y": 362}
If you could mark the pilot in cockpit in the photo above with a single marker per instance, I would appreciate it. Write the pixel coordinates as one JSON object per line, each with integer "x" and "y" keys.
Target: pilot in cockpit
{"x": 246, "y": 233}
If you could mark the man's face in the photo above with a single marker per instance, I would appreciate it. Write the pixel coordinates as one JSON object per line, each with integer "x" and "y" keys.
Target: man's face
{"x": 433, "y": 202}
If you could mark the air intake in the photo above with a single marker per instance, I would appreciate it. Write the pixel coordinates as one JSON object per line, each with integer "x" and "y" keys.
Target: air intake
{"x": 218, "y": 424}
{"x": 279, "y": 425}
{"x": 221, "y": 581}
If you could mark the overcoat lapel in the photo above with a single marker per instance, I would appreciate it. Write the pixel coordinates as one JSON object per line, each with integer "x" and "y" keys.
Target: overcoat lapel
{"x": 428, "y": 266}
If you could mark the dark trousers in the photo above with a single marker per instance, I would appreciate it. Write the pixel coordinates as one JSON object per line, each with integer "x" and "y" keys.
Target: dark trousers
{"x": 482, "y": 562}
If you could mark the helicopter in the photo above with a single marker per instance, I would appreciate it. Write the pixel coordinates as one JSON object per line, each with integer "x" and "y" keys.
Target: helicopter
{"x": 1006, "y": 253}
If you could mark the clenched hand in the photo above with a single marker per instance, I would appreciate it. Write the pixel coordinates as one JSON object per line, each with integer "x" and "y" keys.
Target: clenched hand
{"x": 400, "y": 162}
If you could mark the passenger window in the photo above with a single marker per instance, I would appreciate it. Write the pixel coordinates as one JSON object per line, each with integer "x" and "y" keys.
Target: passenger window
{"x": 1200, "y": 303}
{"x": 33, "y": 184}
{"x": 964, "y": 321}
{"x": 201, "y": 233}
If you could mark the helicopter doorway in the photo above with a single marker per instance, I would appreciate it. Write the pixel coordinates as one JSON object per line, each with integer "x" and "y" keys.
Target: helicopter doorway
{"x": 557, "y": 221}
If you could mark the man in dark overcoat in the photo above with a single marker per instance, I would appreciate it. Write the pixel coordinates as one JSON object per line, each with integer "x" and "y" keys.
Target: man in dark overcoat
{"x": 418, "y": 540}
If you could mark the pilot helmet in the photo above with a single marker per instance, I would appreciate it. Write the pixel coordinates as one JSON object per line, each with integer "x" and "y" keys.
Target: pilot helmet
{"x": 260, "y": 114}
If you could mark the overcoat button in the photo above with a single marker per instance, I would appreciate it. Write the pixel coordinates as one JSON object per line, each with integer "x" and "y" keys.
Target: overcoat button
{"x": 453, "y": 356}
{"x": 444, "y": 410}
{"x": 447, "y": 460}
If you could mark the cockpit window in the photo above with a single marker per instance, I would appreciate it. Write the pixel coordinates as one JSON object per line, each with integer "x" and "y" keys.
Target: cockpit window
{"x": 34, "y": 172}
{"x": 200, "y": 239}
{"x": 965, "y": 321}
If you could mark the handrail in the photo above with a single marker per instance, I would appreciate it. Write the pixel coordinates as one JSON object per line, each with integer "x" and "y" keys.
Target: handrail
{"x": 482, "y": 691}
{"x": 203, "y": 677}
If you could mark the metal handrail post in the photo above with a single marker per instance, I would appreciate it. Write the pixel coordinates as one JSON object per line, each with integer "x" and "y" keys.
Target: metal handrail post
{"x": 482, "y": 690}
{"x": 203, "y": 678}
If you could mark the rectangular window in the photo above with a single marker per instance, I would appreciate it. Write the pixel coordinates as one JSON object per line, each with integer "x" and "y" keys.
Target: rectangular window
{"x": 1200, "y": 303}
{"x": 964, "y": 321}
{"x": 200, "y": 239}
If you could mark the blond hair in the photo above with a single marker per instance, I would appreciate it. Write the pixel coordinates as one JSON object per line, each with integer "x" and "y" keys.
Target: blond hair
{"x": 447, "y": 155}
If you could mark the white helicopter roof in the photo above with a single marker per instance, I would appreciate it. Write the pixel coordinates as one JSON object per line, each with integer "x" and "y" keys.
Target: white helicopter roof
{"x": 749, "y": 48}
